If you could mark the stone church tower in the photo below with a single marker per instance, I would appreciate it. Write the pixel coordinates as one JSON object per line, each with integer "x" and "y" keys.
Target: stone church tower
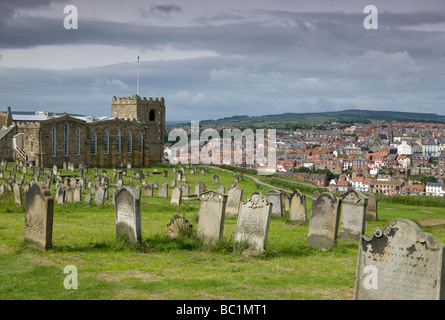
{"x": 151, "y": 113}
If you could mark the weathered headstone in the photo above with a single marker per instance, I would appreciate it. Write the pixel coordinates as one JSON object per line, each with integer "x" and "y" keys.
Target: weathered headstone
{"x": 128, "y": 214}
{"x": 176, "y": 196}
{"x": 185, "y": 189}
{"x": 148, "y": 190}
{"x": 17, "y": 194}
{"x": 400, "y": 262}
{"x": 100, "y": 196}
{"x": 179, "y": 226}
{"x": 323, "y": 221}
{"x": 216, "y": 179}
{"x": 274, "y": 197}
{"x": 211, "y": 216}
{"x": 199, "y": 188}
{"x": 39, "y": 210}
{"x": 77, "y": 193}
{"x": 253, "y": 222}
{"x": 87, "y": 199}
{"x": 353, "y": 215}
{"x": 163, "y": 190}
{"x": 371, "y": 208}
{"x": 297, "y": 208}
{"x": 69, "y": 195}
{"x": 234, "y": 197}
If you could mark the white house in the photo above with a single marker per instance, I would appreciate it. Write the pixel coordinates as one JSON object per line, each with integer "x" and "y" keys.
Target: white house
{"x": 434, "y": 189}
{"x": 405, "y": 149}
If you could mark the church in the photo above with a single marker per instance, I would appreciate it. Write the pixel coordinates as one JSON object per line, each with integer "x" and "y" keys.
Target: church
{"x": 134, "y": 134}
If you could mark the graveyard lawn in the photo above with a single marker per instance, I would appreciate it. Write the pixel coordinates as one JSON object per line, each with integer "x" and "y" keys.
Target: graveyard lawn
{"x": 160, "y": 267}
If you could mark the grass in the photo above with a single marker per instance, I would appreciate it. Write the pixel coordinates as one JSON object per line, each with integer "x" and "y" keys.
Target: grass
{"x": 182, "y": 268}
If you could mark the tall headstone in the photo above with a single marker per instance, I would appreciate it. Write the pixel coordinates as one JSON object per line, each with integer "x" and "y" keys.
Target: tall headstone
{"x": 400, "y": 262}
{"x": 234, "y": 197}
{"x": 253, "y": 222}
{"x": 371, "y": 208}
{"x": 323, "y": 222}
{"x": 353, "y": 215}
{"x": 39, "y": 211}
{"x": 297, "y": 208}
{"x": 212, "y": 207}
{"x": 17, "y": 194}
{"x": 148, "y": 190}
{"x": 176, "y": 196}
{"x": 128, "y": 214}
{"x": 100, "y": 196}
{"x": 274, "y": 197}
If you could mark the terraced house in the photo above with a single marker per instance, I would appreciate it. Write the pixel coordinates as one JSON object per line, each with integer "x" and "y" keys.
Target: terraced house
{"x": 133, "y": 134}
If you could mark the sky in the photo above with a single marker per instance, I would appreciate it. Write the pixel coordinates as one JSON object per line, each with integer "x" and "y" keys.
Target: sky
{"x": 211, "y": 59}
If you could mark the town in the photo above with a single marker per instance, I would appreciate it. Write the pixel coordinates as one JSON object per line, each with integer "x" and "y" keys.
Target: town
{"x": 378, "y": 156}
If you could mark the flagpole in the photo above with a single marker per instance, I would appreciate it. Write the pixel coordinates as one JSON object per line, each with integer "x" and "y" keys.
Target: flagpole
{"x": 137, "y": 89}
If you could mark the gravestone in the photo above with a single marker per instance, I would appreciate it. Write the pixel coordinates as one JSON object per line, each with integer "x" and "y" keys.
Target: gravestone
{"x": 179, "y": 226}
{"x": 371, "y": 208}
{"x": 87, "y": 199}
{"x": 77, "y": 194}
{"x": 216, "y": 179}
{"x": 100, "y": 196}
{"x": 185, "y": 189}
{"x": 297, "y": 208}
{"x": 148, "y": 190}
{"x": 163, "y": 190}
{"x": 323, "y": 221}
{"x": 199, "y": 188}
{"x": 234, "y": 197}
{"x": 60, "y": 194}
{"x": 69, "y": 195}
{"x": 17, "y": 194}
{"x": 353, "y": 215}
{"x": 39, "y": 211}
{"x": 128, "y": 214}
{"x": 221, "y": 189}
{"x": 173, "y": 183}
{"x": 274, "y": 197}
{"x": 285, "y": 201}
{"x": 400, "y": 262}
{"x": 253, "y": 222}
{"x": 176, "y": 196}
{"x": 212, "y": 207}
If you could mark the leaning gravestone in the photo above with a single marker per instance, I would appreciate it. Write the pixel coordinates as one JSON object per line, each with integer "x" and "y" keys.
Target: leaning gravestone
{"x": 234, "y": 197}
{"x": 274, "y": 197}
{"x": 253, "y": 222}
{"x": 212, "y": 207}
{"x": 323, "y": 221}
{"x": 39, "y": 211}
{"x": 353, "y": 215}
{"x": 128, "y": 214}
{"x": 297, "y": 208}
{"x": 400, "y": 262}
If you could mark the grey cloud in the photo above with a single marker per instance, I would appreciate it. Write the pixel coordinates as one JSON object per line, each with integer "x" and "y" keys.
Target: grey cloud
{"x": 160, "y": 10}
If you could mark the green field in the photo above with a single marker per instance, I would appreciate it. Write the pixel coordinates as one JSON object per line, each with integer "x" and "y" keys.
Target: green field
{"x": 183, "y": 268}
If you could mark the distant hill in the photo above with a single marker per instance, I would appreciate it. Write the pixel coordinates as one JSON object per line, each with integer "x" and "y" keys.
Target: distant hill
{"x": 327, "y": 117}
